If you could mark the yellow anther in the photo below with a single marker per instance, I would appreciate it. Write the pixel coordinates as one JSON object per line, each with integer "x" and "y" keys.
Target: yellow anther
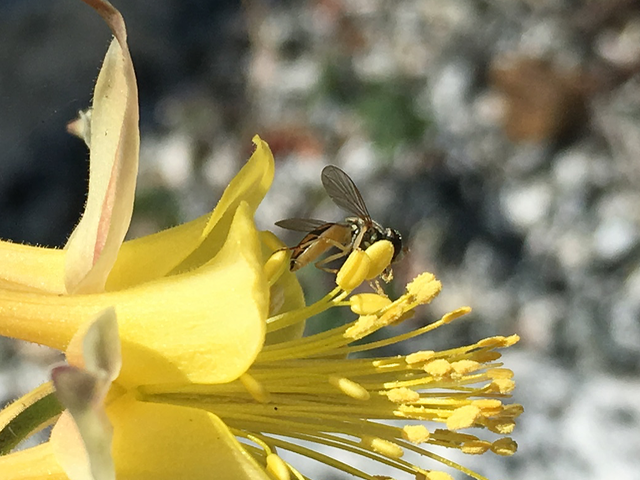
{"x": 276, "y": 265}
{"x": 396, "y": 313}
{"x": 499, "y": 373}
{"x": 415, "y": 434}
{"x": 403, "y": 395}
{"x": 512, "y": 340}
{"x": 424, "y": 288}
{"x": 255, "y": 388}
{"x": 502, "y": 385}
{"x": 419, "y": 357}
{"x": 350, "y": 388}
{"x": 504, "y": 446}
{"x": 354, "y": 270}
{"x": 487, "y": 356}
{"x": 465, "y": 367}
{"x": 475, "y": 447}
{"x": 490, "y": 406}
{"x": 380, "y": 254}
{"x": 499, "y": 341}
{"x": 362, "y": 327}
{"x": 381, "y": 446}
{"x": 503, "y": 427}
{"x": 463, "y": 417}
{"x": 438, "y": 368}
{"x": 277, "y": 467}
{"x": 491, "y": 342}
{"x": 451, "y": 316}
{"x": 513, "y": 410}
{"x": 368, "y": 303}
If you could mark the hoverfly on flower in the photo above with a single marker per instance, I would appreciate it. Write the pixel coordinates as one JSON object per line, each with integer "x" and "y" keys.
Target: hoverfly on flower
{"x": 357, "y": 231}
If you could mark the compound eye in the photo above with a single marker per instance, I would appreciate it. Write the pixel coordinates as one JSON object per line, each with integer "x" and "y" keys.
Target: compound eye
{"x": 396, "y": 240}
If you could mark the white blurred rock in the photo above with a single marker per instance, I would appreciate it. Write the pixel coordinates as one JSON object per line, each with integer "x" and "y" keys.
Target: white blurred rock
{"x": 526, "y": 204}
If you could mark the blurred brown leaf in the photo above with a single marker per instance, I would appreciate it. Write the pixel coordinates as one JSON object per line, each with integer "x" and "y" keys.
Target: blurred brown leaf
{"x": 543, "y": 101}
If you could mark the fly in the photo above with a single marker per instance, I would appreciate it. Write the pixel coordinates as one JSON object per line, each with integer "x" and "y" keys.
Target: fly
{"x": 357, "y": 231}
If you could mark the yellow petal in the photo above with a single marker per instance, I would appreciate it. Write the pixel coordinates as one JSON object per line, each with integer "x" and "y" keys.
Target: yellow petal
{"x": 154, "y": 256}
{"x": 206, "y": 325}
{"x": 115, "y": 141}
{"x": 167, "y": 442}
{"x": 250, "y": 187}
{"x": 27, "y": 268}
{"x": 37, "y": 463}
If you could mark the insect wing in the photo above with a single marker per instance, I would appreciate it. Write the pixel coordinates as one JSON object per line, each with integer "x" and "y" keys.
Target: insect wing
{"x": 301, "y": 224}
{"x": 343, "y": 191}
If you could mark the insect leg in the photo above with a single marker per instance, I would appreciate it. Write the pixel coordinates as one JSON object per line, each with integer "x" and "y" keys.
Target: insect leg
{"x": 344, "y": 250}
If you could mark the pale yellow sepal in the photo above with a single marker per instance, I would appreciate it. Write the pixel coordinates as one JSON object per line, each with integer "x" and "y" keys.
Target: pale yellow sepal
{"x": 70, "y": 451}
{"x": 115, "y": 141}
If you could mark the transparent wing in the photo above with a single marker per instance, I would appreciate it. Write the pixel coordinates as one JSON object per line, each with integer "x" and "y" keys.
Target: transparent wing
{"x": 343, "y": 191}
{"x": 301, "y": 224}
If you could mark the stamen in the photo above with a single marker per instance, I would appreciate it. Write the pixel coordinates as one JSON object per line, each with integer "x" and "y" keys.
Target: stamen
{"x": 383, "y": 447}
{"x": 499, "y": 373}
{"x": 502, "y": 386}
{"x": 424, "y": 288}
{"x": 420, "y": 357}
{"x": 436, "y": 475}
{"x": 354, "y": 270}
{"x": 504, "y": 447}
{"x": 499, "y": 341}
{"x": 368, "y": 303}
{"x": 255, "y": 388}
{"x": 463, "y": 417}
{"x": 380, "y": 253}
{"x": 403, "y": 395}
{"x": 475, "y": 447}
{"x": 350, "y": 388}
{"x": 365, "y": 325}
{"x": 451, "y": 316}
{"x": 503, "y": 427}
{"x": 276, "y": 299}
{"x": 276, "y": 265}
{"x": 438, "y": 369}
{"x": 277, "y": 467}
{"x": 415, "y": 434}
{"x": 465, "y": 367}
{"x": 489, "y": 406}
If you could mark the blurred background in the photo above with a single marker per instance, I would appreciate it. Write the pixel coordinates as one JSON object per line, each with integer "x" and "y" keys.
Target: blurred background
{"x": 501, "y": 137}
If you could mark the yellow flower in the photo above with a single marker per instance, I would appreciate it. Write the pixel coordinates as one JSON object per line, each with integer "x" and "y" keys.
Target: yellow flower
{"x": 182, "y": 343}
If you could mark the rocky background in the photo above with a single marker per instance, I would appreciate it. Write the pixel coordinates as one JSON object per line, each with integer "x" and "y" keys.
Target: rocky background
{"x": 502, "y": 137}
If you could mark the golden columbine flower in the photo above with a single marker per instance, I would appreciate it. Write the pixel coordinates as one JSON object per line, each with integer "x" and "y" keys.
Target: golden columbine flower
{"x": 185, "y": 350}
